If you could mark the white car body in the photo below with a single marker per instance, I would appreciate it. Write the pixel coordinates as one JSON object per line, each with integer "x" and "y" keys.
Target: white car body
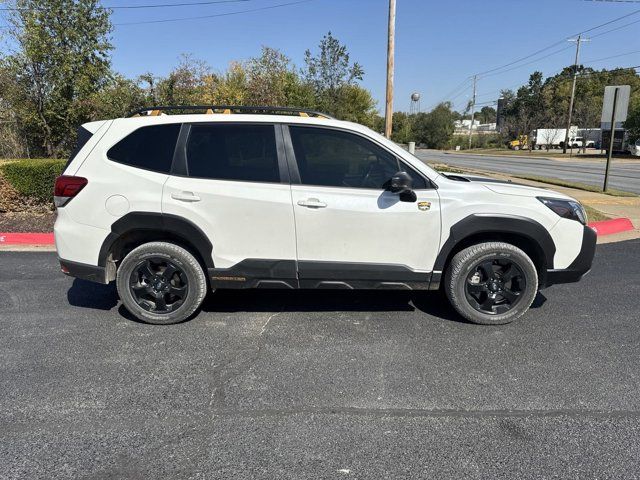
{"x": 263, "y": 227}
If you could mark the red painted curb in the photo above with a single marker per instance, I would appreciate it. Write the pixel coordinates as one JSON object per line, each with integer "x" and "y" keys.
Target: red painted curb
{"x": 26, "y": 238}
{"x": 609, "y": 227}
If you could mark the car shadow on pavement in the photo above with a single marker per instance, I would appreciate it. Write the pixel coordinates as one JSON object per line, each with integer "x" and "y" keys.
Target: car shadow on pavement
{"x": 432, "y": 303}
{"x": 91, "y": 295}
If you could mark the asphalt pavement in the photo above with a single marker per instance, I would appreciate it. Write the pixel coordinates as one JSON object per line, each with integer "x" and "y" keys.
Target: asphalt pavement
{"x": 624, "y": 174}
{"x": 297, "y": 385}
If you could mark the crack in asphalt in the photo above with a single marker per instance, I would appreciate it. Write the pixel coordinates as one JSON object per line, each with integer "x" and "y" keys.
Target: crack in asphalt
{"x": 413, "y": 412}
{"x": 219, "y": 379}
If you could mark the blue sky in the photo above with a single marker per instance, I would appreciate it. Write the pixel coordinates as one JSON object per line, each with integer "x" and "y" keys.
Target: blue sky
{"x": 439, "y": 43}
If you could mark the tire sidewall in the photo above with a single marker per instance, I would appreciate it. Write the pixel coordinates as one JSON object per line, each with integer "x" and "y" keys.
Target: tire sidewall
{"x": 132, "y": 260}
{"x": 456, "y": 287}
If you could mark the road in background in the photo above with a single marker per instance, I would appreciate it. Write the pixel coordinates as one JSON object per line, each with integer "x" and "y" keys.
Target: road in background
{"x": 625, "y": 175}
{"x": 295, "y": 385}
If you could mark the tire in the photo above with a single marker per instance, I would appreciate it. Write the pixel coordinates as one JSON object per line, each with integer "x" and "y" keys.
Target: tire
{"x": 472, "y": 289}
{"x": 161, "y": 283}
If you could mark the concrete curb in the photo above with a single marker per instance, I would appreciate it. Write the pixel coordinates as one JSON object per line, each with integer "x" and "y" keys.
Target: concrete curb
{"x": 610, "y": 227}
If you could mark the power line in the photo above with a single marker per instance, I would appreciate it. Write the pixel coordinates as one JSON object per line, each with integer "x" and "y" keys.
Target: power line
{"x": 501, "y": 69}
{"x": 448, "y": 97}
{"x": 200, "y": 17}
{"x": 615, "y": 29}
{"x": 580, "y": 74}
{"x": 117, "y": 7}
{"x": 612, "y": 1}
{"x": 635, "y": 12}
{"x": 612, "y": 56}
{"x": 529, "y": 63}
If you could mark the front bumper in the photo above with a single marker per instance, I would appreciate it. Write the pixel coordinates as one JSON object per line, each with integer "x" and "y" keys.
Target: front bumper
{"x": 93, "y": 273}
{"x": 580, "y": 266}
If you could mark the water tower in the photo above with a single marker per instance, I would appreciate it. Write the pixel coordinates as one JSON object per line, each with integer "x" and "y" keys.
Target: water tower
{"x": 415, "y": 103}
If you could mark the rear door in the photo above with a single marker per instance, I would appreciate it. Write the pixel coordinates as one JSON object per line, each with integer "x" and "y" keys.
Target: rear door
{"x": 231, "y": 180}
{"x": 348, "y": 226}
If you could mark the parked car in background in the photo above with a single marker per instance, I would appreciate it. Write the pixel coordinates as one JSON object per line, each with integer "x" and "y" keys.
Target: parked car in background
{"x": 579, "y": 142}
{"x": 634, "y": 148}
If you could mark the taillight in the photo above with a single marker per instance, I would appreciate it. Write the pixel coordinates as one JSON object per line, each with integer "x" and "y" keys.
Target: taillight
{"x": 66, "y": 188}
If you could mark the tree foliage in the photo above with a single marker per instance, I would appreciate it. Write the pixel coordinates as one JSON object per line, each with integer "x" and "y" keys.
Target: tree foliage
{"x": 60, "y": 59}
{"x": 435, "y": 129}
{"x": 544, "y": 103}
{"x": 59, "y": 77}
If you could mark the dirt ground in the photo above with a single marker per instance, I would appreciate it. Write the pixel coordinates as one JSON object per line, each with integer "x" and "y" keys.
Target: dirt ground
{"x": 27, "y": 222}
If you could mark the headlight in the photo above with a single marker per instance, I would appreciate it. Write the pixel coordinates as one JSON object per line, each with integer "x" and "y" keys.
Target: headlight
{"x": 566, "y": 208}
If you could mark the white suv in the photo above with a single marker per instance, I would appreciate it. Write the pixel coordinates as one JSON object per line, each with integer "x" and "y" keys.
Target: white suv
{"x": 171, "y": 205}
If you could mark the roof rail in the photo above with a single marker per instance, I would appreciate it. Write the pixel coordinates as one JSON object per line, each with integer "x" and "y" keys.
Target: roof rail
{"x": 228, "y": 109}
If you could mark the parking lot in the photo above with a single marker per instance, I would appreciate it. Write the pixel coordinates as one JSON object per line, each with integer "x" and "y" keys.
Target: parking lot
{"x": 319, "y": 384}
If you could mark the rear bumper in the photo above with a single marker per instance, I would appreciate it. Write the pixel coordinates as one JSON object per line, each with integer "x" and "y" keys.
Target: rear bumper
{"x": 580, "y": 266}
{"x": 93, "y": 273}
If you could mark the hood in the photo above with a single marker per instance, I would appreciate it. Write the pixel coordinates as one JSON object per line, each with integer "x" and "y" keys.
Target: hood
{"x": 525, "y": 191}
{"x": 507, "y": 187}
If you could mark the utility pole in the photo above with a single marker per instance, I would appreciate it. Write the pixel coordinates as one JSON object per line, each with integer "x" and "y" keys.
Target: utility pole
{"x": 473, "y": 109}
{"x": 388, "y": 118}
{"x": 578, "y": 41}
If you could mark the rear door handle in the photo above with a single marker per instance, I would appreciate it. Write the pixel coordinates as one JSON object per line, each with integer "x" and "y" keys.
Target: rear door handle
{"x": 185, "y": 197}
{"x": 312, "y": 203}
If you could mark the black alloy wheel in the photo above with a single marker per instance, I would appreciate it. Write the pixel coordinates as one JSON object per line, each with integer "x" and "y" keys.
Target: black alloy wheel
{"x": 495, "y": 285}
{"x": 158, "y": 285}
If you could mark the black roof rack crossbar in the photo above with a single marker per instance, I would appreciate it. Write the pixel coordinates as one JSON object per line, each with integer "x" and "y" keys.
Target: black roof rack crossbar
{"x": 155, "y": 110}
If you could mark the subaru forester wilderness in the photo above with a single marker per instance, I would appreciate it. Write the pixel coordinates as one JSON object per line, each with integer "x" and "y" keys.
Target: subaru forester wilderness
{"x": 172, "y": 205}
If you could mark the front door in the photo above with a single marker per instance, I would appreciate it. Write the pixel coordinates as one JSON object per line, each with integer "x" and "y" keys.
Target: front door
{"x": 350, "y": 230}
{"x": 235, "y": 188}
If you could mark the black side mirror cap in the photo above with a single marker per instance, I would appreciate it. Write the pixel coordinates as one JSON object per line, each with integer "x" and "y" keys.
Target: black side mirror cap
{"x": 401, "y": 182}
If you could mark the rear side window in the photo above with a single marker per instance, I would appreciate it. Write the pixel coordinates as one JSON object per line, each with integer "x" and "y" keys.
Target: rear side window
{"x": 233, "y": 152}
{"x": 83, "y": 136}
{"x": 150, "y": 148}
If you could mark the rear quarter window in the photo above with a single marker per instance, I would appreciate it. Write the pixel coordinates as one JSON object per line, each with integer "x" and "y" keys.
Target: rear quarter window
{"x": 149, "y": 148}
{"x": 82, "y": 137}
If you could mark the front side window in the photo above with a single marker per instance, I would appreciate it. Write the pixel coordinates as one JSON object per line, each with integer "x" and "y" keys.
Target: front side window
{"x": 150, "y": 148}
{"x": 233, "y": 152}
{"x": 334, "y": 158}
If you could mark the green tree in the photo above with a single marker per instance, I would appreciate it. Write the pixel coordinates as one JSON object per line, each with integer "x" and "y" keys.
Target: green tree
{"x": 401, "y": 127}
{"x": 117, "y": 98}
{"x": 633, "y": 120}
{"x": 333, "y": 78}
{"x": 435, "y": 129}
{"x": 487, "y": 115}
{"x": 59, "y": 59}
{"x": 185, "y": 84}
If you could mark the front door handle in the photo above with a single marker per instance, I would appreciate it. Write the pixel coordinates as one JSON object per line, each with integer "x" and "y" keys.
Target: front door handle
{"x": 185, "y": 197}
{"x": 312, "y": 203}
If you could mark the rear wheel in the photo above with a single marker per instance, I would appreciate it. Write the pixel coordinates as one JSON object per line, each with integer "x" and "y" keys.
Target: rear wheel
{"x": 491, "y": 283}
{"x": 161, "y": 283}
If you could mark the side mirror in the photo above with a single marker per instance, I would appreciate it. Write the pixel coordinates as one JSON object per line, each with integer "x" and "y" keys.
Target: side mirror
{"x": 401, "y": 182}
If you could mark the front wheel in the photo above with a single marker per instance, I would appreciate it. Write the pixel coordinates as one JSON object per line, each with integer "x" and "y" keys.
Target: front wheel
{"x": 161, "y": 283}
{"x": 491, "y": 283}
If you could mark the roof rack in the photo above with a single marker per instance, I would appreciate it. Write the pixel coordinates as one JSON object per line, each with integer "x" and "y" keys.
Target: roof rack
{"x": 228, "y": 109}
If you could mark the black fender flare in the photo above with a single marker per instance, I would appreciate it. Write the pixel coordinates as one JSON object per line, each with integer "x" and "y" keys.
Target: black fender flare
{"x": 161, "y": 222}
{"x": 497, "y": 223}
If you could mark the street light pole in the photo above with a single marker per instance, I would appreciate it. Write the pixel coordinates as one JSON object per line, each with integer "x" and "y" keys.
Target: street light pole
{"x": 388, "y": 119}
{"x": 578, "y": 41}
